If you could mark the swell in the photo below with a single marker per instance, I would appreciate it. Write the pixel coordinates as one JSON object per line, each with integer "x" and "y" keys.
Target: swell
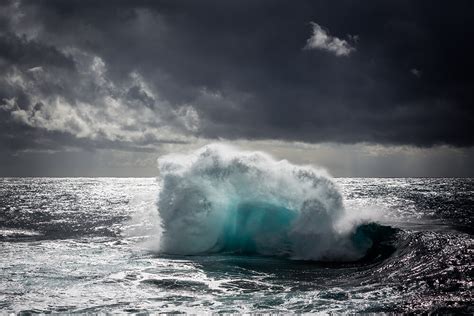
{"x": 430, "y": 270}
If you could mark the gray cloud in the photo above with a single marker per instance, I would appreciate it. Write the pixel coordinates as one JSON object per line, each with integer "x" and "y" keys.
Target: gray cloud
{"x": 416, "y": 72}
{"x": 320, "y": 39}
{"x": 72, "y": 93}
{"x": 133, "y": 75}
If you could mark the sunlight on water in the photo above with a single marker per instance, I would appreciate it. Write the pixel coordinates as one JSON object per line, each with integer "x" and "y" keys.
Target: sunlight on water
{"x": 82, "y": 245}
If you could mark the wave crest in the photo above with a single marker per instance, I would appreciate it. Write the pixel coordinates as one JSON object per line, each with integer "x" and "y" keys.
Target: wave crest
{"x": 220, "y": 199}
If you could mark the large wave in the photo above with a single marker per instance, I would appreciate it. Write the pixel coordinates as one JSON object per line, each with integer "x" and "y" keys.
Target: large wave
{"x": 221, "y": 199}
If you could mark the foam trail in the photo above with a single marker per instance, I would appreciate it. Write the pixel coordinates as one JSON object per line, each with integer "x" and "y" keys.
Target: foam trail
{"x": 221, "y": 199}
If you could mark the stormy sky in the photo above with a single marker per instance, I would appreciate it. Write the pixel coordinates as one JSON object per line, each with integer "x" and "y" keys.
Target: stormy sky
{"x": 362, "y": 88}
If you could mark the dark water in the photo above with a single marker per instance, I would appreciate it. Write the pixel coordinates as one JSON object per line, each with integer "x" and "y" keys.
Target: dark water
{"x": 83, "y": 245}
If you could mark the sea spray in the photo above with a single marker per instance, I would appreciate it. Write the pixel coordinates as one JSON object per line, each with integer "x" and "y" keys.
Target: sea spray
{"x": 221, "y": 199}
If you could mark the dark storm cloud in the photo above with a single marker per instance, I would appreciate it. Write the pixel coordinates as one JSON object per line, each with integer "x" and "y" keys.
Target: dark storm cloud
{"x": 20, "y": 51}
{"x": 246, "y": 69}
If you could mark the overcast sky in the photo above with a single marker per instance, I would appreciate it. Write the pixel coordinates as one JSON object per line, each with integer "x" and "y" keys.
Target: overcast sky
{"x": 362, "y": 88}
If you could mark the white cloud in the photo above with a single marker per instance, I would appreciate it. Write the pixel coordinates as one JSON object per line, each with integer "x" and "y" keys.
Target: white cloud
{"x": 189, "y": 118}
{"x": 105, "y": 110}
{"x": 322, "y": 40}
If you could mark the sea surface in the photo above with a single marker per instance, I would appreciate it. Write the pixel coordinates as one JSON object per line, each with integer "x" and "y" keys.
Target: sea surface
{"x": 90, "y": 245}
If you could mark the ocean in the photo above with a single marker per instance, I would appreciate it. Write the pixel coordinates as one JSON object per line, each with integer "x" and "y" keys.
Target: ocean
{"x": 92, "y": 245}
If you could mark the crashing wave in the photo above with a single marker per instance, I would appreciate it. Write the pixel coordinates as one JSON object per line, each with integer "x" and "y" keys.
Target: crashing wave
{"x": 221, "y": 199}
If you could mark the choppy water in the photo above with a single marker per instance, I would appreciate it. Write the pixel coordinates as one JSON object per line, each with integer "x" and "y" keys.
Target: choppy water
{"x": 83, "y": 245}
